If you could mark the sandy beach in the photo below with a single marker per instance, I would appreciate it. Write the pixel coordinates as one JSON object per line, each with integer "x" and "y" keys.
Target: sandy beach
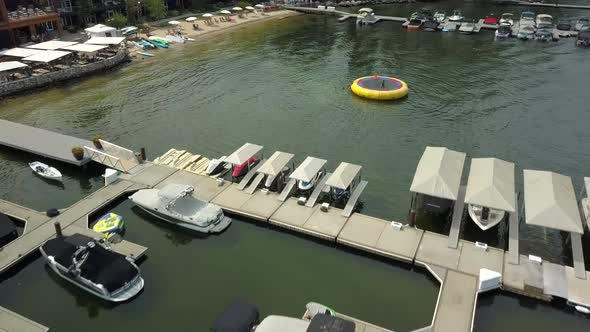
{"x": 210, "y": 30}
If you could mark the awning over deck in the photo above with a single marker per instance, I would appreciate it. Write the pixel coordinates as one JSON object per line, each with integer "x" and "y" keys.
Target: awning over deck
{"x": 85, "y": 48}
{"x": 105, "y": 40}
{"x": 550, "y": 201}
{"x": 244, "y": 153}
{"x": 19, "y": 52}
{"x": 273, "y": 165}
{"x": 46, "y": 56}
{"x": 438, "y": 173}
{"x": 343, "y": 176}
{"x": 11, "y": 65}
{"x": 52, "y": 45}
{"x": 491, "y": 184}
{"x": 308, "y": 169}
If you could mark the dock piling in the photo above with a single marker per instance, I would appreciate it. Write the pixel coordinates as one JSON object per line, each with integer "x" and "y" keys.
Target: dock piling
{"x": 58, "y": 230}
{"x": 142, "y": 154}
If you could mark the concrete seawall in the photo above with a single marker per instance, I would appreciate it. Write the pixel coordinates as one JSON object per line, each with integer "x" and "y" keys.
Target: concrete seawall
{"x": 33, "y": 82}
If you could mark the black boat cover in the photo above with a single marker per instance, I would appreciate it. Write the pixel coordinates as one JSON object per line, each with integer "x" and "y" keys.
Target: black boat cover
{"x": 327, "y": 323}
{"x": 238, "y": 317}
{"x": 7, "y": 230}
{"x": 102, "y": 266}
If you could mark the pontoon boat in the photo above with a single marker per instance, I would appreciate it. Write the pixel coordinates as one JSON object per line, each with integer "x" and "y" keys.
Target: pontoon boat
{"x": 430, "y": 25}
{"x": 175, "y": 204}
{"x": 92, "y": 266}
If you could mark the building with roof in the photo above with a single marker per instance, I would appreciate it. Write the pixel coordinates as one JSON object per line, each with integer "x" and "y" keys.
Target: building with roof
{"x": 21, "y": 22}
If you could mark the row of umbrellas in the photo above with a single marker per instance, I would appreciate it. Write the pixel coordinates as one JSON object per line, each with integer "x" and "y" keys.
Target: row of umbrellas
{"x": 225, "y": 12}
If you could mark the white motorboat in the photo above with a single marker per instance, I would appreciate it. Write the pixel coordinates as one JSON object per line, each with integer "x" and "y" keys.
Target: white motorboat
{"x": 366, "y": 16}
{"x": 439, "y": 16}
{"x": 580, "y": 23}
{"x": 484, "y": 217}
{"x": 467, "y": 28}
{"x": 457, "y": 16}
{"x": 544, "y": 21}
{"x": 503, "y": 31}
{"x": 45, "y": 171}
{"x": 175, "y": 204}
{"x": 507, "y": 18}
{"x": 92, "y": 266}
{"x": 527, "y": 18}
{"x": 526, "y": 32}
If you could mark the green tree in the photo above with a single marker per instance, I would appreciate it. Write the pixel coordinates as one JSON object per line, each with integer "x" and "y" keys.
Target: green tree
{"x": 156, "y": 9}
{"x": 118, "y": 21}
{"x": 132, "y": 13}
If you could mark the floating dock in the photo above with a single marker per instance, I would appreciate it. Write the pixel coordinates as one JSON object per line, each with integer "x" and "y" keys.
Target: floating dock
{"x": 41, "y": 142}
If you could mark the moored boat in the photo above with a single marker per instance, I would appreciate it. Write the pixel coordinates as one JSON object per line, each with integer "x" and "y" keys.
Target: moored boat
{"x": 430, "y": 25}
{"x": 175, "y": 204}
{"x": 92, "y": 266}
{"x": 440, "y": 16}
{"x": 506, "y": 18}
{"x": 526, "y": 32}
{"x": 414, "y": 24}
{"x": 543, "y": 35}
{"x": 457, "y": 16}
{"x": 490, "y": 19}
{"x": 45, "y": 171}
{"x": 503, "y": 31}
{"x": 467, "y": 28}
{"x": 366, "y": 16}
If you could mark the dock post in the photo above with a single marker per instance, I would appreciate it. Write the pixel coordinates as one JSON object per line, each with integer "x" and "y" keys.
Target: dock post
{"x": 142, "y": 152}
{"x": 412, "y": 218}
{"x": 58, "y": 231}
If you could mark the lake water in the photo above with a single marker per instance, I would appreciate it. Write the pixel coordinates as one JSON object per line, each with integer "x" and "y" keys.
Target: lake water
{"x": 285, "y": 85}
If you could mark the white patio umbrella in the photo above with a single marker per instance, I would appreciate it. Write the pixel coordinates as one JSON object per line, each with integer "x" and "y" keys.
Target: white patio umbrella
{"x": 237, "y": 9}
{"x": 174, "y": 23}
{"x": 226, "y": 12}
{"x": 249, "y": 7}
{"x": 191, "y": 19}
{"x": 259, "y": 6}
{"x": 207, "y": 15}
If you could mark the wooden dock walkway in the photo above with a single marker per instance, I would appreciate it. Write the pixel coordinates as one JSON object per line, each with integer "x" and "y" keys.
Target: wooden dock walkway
{"x": 42, "y": 142}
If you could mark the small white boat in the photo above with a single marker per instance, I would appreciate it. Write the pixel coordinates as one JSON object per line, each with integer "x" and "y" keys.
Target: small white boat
{"x": 507, "y": 18}
{"x": 484, "y": 217}
{"x": 457, "y": 16}
{"x": 45, "y": 171}
{"x": 544, "y": 21}
{"x": 467, "y": 28}
{"x": 439, "y": 17}
{"x": 366, "y": 16}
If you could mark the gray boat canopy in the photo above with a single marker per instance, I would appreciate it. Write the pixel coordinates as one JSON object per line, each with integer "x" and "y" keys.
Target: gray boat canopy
{"x": 438, "y": 173}
{"x": 343, "y": 176}
{"x": 491, "y": 184}
{"x": 174, "y": 190}
{"x": 244, "y": 153}
{"x": 273, "y": 165}
{"x": 550, "y": 201}
{"x": 308, "y": 169}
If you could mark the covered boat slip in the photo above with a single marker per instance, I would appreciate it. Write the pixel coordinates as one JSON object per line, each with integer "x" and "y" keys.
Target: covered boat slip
{"x": 343, "y": 178}
{"x": 306, "y": 172}
{"x": 241, "y": 156}
{"x": 271, "y": 167}
{"x": 550, "y": 201}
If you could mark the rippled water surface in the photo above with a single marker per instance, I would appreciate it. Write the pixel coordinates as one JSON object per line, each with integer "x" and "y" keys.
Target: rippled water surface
{"x": 285, "y": 85}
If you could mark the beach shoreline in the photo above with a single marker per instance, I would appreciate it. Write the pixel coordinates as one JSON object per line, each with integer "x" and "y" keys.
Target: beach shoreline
{"x": 209, "y": 30}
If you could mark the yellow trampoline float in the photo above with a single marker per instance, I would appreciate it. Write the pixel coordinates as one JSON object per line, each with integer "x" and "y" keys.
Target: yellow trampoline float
{"x": 379, "y": 88}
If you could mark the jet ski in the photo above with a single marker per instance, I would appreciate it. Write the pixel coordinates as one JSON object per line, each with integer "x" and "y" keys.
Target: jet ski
{"x": 216, "y": 166}
{"x": 245, "y": 167}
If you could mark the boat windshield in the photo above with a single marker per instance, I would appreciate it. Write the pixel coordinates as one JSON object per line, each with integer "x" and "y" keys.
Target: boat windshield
{"x": 545, "y": 19}
{"x": 507, "y": 16}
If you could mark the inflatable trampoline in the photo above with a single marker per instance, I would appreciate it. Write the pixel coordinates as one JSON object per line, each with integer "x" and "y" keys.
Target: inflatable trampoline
{"x": 379, "y": 88}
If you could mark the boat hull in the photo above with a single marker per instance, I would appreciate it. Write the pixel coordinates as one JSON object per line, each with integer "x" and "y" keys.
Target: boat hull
{"x": 119, "y": 296}
{"x": 218, "y": 227}
{"x": 477, "y": 220}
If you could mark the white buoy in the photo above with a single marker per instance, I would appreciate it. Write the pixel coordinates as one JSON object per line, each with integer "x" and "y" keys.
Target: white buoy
{"x": 582, "y": 309}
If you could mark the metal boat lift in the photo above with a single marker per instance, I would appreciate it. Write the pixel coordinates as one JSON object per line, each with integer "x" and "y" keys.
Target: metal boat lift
{"x": 344, "y": 178}
{"x": 272, "y": 166}
{"x": 306, "y": 171}
{"x": 240, "y": 156}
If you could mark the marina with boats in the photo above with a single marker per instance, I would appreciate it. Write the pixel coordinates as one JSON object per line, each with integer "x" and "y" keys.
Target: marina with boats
{"x": 324, "y": 207}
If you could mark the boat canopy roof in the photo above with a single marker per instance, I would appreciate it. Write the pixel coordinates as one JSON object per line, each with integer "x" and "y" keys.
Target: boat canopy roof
{"x": 308, "y": 169}
{"x": 274, "y": 323}
{"x": 328, "y": 323}
{"x": 11, "y": 65}
{"x": 238, "y": 317}
{"x": 273, "y": 165}
{"x": 438, "y": 173}
{"x": 365, "y": 10}
{"x": 343, "y": 175}
{"x": 174, "y": 190}
{"x": 244, "y": 153}
{"x": 545, "y": 16}
{"x": 51, "y": 45}
{"x": 105, "y": 40}
{"x": 46, "y": 56}
{"x": 491, "y": 184}
{"x": 19, "y": 52}
{"x": 84, "y": 48}
{"x": 100, "y": 28}
{"x": 550, "y": 201}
